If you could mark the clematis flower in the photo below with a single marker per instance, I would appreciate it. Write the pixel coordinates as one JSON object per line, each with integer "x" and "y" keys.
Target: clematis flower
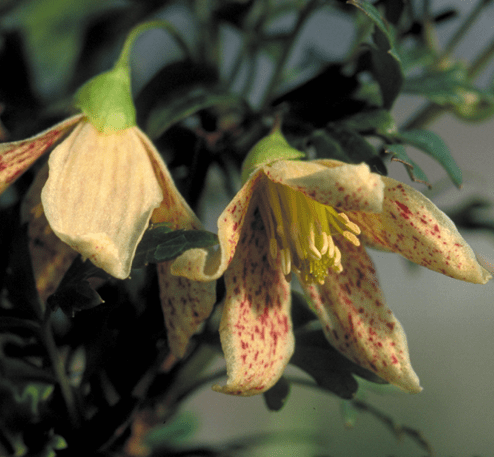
{"x": 312, "y": 219}
{"x": 106, "y": 182}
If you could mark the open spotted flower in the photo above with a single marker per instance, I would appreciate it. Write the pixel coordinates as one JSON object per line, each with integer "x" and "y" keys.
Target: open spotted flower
{"x": 310, "y": 218}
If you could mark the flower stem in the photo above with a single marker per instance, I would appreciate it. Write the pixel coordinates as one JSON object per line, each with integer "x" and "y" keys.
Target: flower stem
{"x": 123, "y": 60}
{"x": 280, "y": 65}
{"x": 59, "y": 369}
{"x": 465, "y": 27}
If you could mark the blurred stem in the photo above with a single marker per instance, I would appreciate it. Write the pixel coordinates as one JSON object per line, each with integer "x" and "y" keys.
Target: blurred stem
{"x": 253, "y": 31}
{"x": 280, "y": 65}
{"x": 463, "y": 29}
{"x": 59, "y": 369}
{"x": 124, "y": 57}
{"x": 432, "y": 111}
{"x": 208, "y": 33}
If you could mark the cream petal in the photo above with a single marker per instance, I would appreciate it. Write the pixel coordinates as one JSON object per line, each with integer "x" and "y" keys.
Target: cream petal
{"x": 100, "y": 194}
{"x": 357, "y": 322}
{"x": 173, "y": 209}
{"x": 18, "y": 156}
{"x": 411, "y": 225}
{"x": 208, "y": 264}
{"x": 186, "y": 305}
{"x": 256, "y": 329}
{"x": 343, "y": 186}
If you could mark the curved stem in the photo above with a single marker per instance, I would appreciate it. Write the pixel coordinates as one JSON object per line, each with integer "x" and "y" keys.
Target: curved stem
{"x": 280, "y": 65}
{"x": 463, "y": 29}
{"x": 123, "y": 60}
{"x": 59, "y": 369}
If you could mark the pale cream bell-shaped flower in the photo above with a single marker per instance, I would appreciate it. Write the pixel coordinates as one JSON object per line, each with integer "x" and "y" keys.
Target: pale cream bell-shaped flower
{"x": 100, "y": 194}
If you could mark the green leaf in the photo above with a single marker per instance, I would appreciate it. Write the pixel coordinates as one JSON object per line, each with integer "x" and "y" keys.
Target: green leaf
{"x": 53, "y": 32}
{"x": 178, "y": 430}
{"x": 452, "y": 88}
{"x": 388, "y": 74}
{"x": 353, "y": 146}
{"x": 160, "y": 244}
{"x": 385, "y": 61}
{"x": 276, "y": 397}
{"x": 74, "y": 293}
{"x": 414, "y": 171}
{"x": 32, "y": 395}
{"x": 378, "y": 121}
{"x": 165, "y": 115}
{"x": 433, "y": 145}
{"x": 386, "y": 35}
{"x": 330, "y": 369}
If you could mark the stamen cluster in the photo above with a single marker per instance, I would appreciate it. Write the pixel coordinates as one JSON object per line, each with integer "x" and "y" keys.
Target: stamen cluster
{"x": 302, "y": 230}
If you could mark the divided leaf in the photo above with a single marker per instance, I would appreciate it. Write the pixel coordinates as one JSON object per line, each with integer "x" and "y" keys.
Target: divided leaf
{"x": 160, "y": 244}
{"x": 433, "y": 145}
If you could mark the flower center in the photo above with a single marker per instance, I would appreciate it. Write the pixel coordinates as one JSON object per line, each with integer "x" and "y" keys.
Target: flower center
{"x": 302, "y": 230}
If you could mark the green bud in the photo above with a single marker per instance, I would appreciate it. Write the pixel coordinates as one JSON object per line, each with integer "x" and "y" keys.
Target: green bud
{"x": 106, "y": 100}
{"x": 270, "y": 149}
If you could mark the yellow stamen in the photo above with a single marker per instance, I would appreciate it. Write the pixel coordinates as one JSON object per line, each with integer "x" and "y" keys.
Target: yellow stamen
{"x": 301, "y": 231}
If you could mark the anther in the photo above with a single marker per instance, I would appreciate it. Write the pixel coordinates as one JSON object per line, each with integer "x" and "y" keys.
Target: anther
{"x": 352, "y": 238}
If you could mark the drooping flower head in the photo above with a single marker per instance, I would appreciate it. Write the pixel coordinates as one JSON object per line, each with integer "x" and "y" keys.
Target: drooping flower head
{"x": 105, "y": 182}
{"x": 311, "y": 219}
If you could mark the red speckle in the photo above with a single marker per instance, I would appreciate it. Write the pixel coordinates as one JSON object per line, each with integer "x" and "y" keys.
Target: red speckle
{"x": 436, "y": 228}
{"x": 350, "y": 321}
{"x": 406, "y": 212}
{"x": 235, "y": 226}
{"x": 394, "y": 359}
{"x": 390, "y": 325}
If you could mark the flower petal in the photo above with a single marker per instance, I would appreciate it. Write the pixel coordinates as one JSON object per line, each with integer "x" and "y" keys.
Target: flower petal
{"x": 206, "y": 265}
{"x": 342, "y": 186}
{"x": 100, "y": 194}
{"x": 18, "y": 156}
{"x": 50, "y": 256}
{"x": 173, "y": 209}
{"x": 186, "y": 305}
{"x": 255, "y": 327}
{"x": 357, "y": 322}
{"x": 411, "y": 225}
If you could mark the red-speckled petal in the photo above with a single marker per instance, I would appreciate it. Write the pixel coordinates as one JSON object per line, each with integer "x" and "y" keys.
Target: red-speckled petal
{"x": 17, "y": 157}
{"x": 173, "y": 208}
{"x": 357, "y": 322}
{"x": 205, "y": 265}
{"x": 186, "y": 305}
{"x": 256, "y": 329}
{"x": 100, "y": 194}
{"x": 343, "y": 186}
{"x": 411, "y": 225}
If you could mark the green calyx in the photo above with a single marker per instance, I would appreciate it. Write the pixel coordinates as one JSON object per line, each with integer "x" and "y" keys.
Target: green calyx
{"x": 270, "y": 149}
{"x": 106, "y": 100}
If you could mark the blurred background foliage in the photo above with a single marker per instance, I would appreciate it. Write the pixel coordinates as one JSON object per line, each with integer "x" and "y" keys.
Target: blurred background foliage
{"x": 91, "y": 370}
